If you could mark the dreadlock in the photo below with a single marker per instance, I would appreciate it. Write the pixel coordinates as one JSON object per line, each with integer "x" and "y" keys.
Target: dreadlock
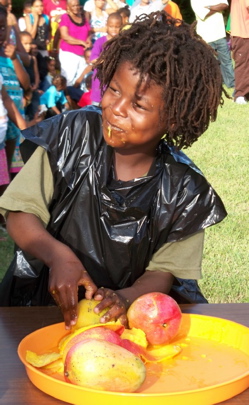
{"x": 170, "y": 53}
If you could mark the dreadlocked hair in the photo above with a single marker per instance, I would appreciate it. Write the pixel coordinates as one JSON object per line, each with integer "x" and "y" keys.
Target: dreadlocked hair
{"x": 170, "y": 53}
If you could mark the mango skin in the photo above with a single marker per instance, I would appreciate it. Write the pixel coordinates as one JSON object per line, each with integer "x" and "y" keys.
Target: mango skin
{"x": 104, "y": 366}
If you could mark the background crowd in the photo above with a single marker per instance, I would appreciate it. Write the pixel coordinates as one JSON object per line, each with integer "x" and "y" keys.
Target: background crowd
{"x": 47, "y": 56}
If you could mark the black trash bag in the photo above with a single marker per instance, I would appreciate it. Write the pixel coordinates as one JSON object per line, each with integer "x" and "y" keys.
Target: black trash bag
{"x": 114, "y": 227}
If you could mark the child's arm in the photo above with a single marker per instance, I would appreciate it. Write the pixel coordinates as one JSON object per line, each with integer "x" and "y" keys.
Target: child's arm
{"x": 55, "y": 109}
{"x": 32, "y": 28}
{"x": 13, "y": 112}
{"x": 22, "y": 75}
{"x": 120, "y": 300}
{"x": 37, "y": 76}
{"x": 66, "y": 271}
{"x": 87, "y": 69}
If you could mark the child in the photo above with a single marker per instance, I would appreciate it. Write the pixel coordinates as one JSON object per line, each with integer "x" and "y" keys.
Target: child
{"x": 15, "y": 79}
{"x": 98, "y": 20}
{"x": 113, "y": 26}
{"x": 125, "y": 15}
{"x": 27, "y": 9}
{"x": 111, "y": 203}
{"x": 54, "y": 100}
{"x": 38, "y": 25}
{"x": 51, "y": 73}
{"x": 86, "y": 98}
{"x": 32, "y": 70}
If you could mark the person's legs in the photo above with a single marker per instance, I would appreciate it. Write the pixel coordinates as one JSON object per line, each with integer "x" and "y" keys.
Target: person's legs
{"x": 240, "y": 49}
{"x": 224, "y": 57}
{"x": 71, "y": 66}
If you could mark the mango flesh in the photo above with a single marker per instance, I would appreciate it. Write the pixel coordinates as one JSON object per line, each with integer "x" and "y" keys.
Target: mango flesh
{"x": 105, "y": 366}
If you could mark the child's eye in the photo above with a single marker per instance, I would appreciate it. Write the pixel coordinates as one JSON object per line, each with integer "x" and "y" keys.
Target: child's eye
{"x": 139, "y": 106}
{"x": 113, "y": 89}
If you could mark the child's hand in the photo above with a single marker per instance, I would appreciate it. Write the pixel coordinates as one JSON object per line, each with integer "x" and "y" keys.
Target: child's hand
{"x": 117, "y": 304}
{"x": 10, "y": 51}
{"x": 66, "y": 274}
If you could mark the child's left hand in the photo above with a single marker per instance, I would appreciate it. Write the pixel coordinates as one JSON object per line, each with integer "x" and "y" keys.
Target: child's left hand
{"x": 117, "y": 304}
{"x": 10, "y": 51}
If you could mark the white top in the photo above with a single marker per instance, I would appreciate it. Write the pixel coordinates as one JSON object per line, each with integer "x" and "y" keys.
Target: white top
{"x": 212, "y": 28}
{"x": 137, "y": 10}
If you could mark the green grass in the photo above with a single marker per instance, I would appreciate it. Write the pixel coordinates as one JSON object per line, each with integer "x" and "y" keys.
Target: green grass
{"x": 222, "y": 153}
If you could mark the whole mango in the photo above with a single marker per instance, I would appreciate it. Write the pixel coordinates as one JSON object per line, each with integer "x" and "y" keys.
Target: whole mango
{"x": 105, "y": 366}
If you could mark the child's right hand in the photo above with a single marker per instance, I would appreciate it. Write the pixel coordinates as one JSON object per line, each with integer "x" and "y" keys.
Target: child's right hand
{"x": 10, "y": 51}
{"x": 67, "y": 273}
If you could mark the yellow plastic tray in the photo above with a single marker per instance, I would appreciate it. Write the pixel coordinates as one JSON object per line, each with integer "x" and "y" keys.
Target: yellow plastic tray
{"x": 212, "y": 367}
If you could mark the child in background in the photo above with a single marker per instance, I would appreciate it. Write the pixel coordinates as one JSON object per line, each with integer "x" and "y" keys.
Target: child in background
{"x": 86, "y": 98}
{"x": 108, "y": 206}
{"x": 26, "y": 10}
{"x": 32, "y": 70}
{"x": 53, "y": 101}
{"x": 125, "y": 15}
{"x": 113, "y": 26}
{"x": 98, "y": 20}
{"x": 15, "y": 79}
{"x": 51, "y": 73}
{"x": 7, "y": 109}
{"x": 75, "y": 92}
{"x": 38, "y": 25}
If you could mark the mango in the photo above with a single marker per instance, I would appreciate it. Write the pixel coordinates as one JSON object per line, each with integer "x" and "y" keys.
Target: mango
{"x": 105, "y": 366}
{"x": 86, "y": 314}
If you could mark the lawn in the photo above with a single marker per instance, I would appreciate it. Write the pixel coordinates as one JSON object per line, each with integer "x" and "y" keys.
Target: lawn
{"x": 222, "y": 153}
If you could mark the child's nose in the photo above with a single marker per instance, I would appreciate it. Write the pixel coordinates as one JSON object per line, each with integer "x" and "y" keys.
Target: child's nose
{"x": 119, "y": 107}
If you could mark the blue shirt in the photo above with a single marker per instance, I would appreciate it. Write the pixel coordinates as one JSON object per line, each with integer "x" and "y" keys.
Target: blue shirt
{"x": 52, "y": 96}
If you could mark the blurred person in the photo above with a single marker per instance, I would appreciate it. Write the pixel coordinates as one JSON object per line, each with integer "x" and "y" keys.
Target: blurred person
{"x": 51, "y": 73}
{"x": 54, "y": 9}
{"x": 38, "y": 25}
{"x": 53, "y": 100}
{"x": 98, "y": 20}
{"x": 145, "y": 7}
{"x": 16, "y": 80}
{"x": 240, "y": 48}
{"x": 86, "y": 98}
{"x": 74, "y": 31}
{"x": 125, "y": 14}
{"x": 27, "y": 9}
{"x": 75, "y": 92}
{"x": 32, "y": 70}
{"x": 172, "y": 9}
{"x": 113, "y": 27}
{"x": 211, "y": 27}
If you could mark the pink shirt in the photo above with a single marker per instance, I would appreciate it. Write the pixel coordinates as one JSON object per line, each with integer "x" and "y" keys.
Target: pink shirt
{"x": 240, "y": 18}
{"x": 52, "y": 9}
{"x": 75, "y": 30}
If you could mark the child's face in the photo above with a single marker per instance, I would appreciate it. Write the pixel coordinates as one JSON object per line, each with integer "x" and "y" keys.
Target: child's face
{"x": 51, "y": 66}
{"x": 125, "y": 19}
{"x": 3, "y": 28}
{"x": 132, "y": 118}
{"x": 100, "y": 4}
{"x": 87, "y": 55}
{"x": 37, "y": 7}
{"x": 113, "y": 26}
{"x": 26, "y": 41}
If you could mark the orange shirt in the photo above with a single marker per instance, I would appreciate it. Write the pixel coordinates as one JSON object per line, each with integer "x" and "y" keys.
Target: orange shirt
{"x": 240, "y": 18}
{"x": 173, "y": 9}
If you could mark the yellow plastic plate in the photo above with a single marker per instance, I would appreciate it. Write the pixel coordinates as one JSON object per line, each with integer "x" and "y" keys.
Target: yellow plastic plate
{"x": 213, "y": 366}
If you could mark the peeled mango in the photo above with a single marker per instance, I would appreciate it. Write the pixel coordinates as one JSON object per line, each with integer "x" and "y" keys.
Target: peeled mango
{"x": 105, "y": 366}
